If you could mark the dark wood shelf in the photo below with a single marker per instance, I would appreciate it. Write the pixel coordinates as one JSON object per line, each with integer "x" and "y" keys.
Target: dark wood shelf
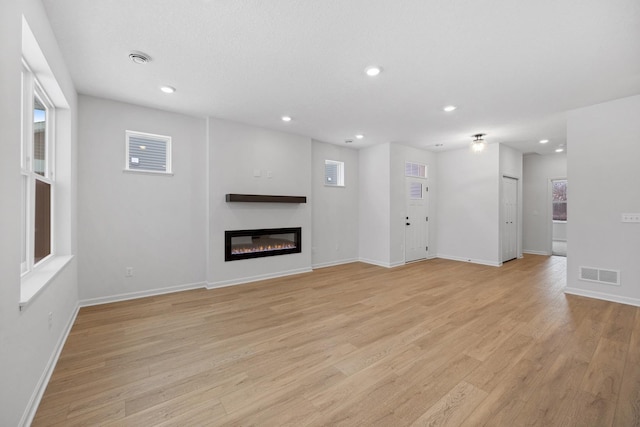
{"x": 263, "y": 198}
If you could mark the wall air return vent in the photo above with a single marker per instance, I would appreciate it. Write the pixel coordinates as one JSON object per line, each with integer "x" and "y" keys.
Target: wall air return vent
{"x": 599, "y": 275}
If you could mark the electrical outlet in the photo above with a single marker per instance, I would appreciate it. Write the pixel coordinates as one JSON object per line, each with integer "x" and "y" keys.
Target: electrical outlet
{"x": 631, "y": 217}
{"x": 128, "y": 272}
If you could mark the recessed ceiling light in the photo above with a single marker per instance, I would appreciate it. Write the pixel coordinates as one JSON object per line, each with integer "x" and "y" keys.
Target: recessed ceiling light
{"x": 139, "y": 57}
{"x": 167, "y": 89}
{"x": 286, "y": 118}
{"x": 359, "y": 136}
{"x": 373, "y": 71}
{"x": 559, "y": 150}
{"x": 449, "y": 108}
{"x": 544, "y": 141}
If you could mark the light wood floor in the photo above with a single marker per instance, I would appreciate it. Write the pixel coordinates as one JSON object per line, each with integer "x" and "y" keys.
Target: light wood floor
{"x": 431, "y": 343}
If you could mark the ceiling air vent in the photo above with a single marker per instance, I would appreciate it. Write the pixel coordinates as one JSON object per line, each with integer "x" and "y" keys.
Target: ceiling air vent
{"x": 139, "y": 57}
{"x": 598, "y": 275}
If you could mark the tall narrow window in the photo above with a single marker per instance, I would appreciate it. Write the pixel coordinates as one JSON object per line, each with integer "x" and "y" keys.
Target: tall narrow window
{"x": 559, "y": 199}
{"x": 37, "y": 170}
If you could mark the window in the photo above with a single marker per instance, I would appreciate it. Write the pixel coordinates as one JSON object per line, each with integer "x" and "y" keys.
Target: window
{"x": 334, "y": 173}
{"x": 559, "y": 199}
{"x": 416, "y": 191}
{"x": 148, "y": 152}
{"x": 415, "y": 169}
{"x": 37, "y": 172}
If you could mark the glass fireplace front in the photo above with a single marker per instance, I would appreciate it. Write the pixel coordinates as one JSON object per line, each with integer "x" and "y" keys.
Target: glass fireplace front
{"x": 243, "y": 244}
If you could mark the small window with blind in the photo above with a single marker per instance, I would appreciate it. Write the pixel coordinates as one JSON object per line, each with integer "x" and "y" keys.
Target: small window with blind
{"x": 416, "y": 170}
{"x": 416, "y": 191}
{"x": 148, "y": 153}
{"x": 333, "y": 173}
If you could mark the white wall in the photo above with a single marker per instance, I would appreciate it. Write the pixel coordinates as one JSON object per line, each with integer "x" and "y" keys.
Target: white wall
{"x": 511, "y": 166}
{"x": 468, "y": 205}
{"x": 559, "y": 231}
{"x": 155, "y": 224}
{"x": 604, "y": 177}
{"x": 374, "y": 205}
{"x": 398, "y": 204}
{"x": 334, "y": 209}
{"x": 28, "y": 345}
{"x": 538, "y": 171}
{"x": 235, "y": 152}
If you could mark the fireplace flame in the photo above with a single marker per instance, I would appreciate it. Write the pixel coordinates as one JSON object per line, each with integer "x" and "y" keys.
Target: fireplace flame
{"x": 262, "y": 248}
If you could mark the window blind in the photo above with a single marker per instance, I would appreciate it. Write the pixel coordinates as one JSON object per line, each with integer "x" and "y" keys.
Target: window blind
{"x": 147, "y": 154}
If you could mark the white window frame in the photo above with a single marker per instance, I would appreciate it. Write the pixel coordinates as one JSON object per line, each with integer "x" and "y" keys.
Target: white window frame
{"x": 31, "y": 88}
{"x": 411, "y": 167}
{"x": 339, "y": 174}
{"x": 155, "y": 137}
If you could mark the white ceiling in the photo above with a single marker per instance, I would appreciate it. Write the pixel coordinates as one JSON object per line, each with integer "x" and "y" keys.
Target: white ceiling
{"x": 513, "y": 68}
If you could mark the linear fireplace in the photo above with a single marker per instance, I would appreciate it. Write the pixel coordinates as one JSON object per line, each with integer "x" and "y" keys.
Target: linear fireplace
{"x": 243, "y": 244}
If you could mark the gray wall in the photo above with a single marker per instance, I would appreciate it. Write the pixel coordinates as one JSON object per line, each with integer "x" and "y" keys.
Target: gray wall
{"x": 283, "y": 160}
{"x": 468, "y": 205}
{"x": 374, "y": 205}
{"x": 538, "y": 172}
{"x": 155, "y": 224}
{"x": 603, "y": 175}
{"x": 28, "y": 345}
{"x": 334, "y": 209}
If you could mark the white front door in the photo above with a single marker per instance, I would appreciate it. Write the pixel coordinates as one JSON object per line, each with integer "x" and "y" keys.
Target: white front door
{"x": 509, "y": 218}
{"x": 416, "y": 221}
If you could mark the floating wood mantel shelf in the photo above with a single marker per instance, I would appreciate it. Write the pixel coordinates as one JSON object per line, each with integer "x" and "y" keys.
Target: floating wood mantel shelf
{"x": 263, "y": 198}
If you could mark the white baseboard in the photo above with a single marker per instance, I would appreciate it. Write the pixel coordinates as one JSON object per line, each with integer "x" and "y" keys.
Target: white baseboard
{"x": 373, "y": 262}
{"x": 333, "y": 263}
{"x": 602, "y": 295}
{"x": 141, "y": 294}
{"x": 36, "y": 397}
{"x": 241, "y": 280}
{"x": 471, "y": 260}
{"x": 536, "y": 252}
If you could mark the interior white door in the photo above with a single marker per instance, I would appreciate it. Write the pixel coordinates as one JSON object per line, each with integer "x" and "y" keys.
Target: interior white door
{"x": 416, "y": 223}
{"x": 509, "y": 218}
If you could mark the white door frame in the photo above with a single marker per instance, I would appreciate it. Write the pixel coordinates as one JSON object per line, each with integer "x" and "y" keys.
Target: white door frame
{"x": 423, "y": 217}
{"x": 516, "y": 218}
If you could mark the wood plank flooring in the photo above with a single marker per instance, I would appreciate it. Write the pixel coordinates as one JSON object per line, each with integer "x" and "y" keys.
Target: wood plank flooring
{"x": 438, "y": 343}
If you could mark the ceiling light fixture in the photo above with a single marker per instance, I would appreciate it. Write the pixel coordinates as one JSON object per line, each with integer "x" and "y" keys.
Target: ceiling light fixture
{"x": 449, "y": 108}
{"x": 286, "y": 118}
{"x": 373, "y": 71}
{"x": 544, "y": 141}
{"x": 168, "y": 89}
{"x": 478, "y": 143}
{"x": 559, "y": 150}
{"x": 139, "y": 57}
{"x": 359, "y": 136}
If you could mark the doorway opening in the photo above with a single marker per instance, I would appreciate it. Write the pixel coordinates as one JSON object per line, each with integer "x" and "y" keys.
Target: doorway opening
{"x": 559, "y": 217}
